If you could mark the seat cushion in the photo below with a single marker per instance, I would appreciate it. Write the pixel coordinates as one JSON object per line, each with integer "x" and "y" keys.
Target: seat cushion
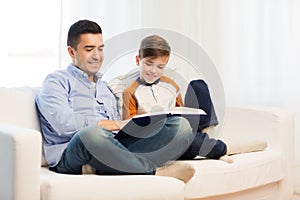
{"x": 56, "y": 186}
{"x": 249, "y": 170}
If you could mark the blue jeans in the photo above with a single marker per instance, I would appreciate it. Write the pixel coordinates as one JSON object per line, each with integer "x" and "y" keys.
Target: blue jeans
{"x": 131, "y": 155}
{"x": 205, "y": 146}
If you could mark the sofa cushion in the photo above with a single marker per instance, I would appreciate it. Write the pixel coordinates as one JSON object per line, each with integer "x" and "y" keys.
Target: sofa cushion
{"x": 249, "y": 170}
{"x": 18, "y": 107}
{"x": 56, "y": 186}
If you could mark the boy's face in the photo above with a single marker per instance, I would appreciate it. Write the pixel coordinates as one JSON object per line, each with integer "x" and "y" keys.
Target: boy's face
{"x": 151, "y": 67}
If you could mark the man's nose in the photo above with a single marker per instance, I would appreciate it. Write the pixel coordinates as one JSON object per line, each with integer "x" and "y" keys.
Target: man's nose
{"x": 96, "y": 54}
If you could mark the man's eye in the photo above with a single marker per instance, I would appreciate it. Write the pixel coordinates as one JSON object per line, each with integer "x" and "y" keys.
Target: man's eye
{"x": 149, "y": 64}
{"x": 88, "y": 50}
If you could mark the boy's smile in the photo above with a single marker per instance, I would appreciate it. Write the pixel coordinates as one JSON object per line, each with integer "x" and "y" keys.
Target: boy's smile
{"x": 152, "y": 68}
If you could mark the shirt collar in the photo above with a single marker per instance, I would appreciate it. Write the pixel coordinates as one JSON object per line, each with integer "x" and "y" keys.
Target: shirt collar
{"x": 79, "y": 73}
{"x": 140, "y": 81}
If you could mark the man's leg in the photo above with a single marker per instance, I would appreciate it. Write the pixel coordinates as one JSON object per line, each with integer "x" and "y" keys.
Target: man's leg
{"x": 116, "y": 155}
{"x": 97, "y": 147}
{"x": 166, "y": 144}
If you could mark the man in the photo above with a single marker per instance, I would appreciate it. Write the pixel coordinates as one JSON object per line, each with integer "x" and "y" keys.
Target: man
{"x": 78, "y": 113}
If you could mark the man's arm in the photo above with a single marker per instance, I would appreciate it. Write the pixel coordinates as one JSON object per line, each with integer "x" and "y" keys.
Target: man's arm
{"x": 54, "y": 105}
{"x": 113, "y": 125}
{"x": 110, "y": 125}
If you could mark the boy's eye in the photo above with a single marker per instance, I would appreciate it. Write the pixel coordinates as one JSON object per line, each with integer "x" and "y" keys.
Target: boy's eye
{"x": 149, "y": 64}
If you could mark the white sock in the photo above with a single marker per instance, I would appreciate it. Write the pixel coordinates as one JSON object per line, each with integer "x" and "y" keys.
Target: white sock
{"x": 181, "y": 171}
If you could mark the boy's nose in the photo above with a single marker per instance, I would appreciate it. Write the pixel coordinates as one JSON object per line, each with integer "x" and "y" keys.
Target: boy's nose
{"x": 153, "y": 69}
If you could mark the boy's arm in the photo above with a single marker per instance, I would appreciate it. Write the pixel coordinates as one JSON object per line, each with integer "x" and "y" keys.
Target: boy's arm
{"x": 179, "y": 101}
{"x": 129, "y": 104}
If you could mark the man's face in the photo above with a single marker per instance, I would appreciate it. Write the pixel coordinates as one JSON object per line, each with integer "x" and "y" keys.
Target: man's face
{"x": 152, "y": 68}
{"x": 88, "y": 56}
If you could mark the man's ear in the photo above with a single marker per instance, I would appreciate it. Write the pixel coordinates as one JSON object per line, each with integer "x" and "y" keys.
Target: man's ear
{"x": 137, "y": 60}
{"x": 71, "y": 51}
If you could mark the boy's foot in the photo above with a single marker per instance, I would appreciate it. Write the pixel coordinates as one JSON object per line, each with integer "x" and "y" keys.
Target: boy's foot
{"x": 181, "y": 171}
{"x": 226, "y": 158}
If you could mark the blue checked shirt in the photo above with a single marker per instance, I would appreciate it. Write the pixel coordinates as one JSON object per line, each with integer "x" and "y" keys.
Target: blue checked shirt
{"x": 67, "y": 102}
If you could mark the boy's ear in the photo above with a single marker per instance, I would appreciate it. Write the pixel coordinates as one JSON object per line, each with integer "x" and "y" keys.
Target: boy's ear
{"x": 137, "y": 60}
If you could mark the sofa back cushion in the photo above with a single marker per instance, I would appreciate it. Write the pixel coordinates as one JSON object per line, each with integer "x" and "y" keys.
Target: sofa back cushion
{"x": 17, "y": 106}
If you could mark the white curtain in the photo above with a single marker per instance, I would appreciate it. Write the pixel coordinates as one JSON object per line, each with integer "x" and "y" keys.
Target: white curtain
{"x": 254, "y": 44}
{"x": 30, "y": 34}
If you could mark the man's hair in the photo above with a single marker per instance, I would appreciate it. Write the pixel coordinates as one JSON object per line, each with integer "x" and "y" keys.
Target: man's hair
{"x": 154, "y": 46}
{"x": 79, "y": 28}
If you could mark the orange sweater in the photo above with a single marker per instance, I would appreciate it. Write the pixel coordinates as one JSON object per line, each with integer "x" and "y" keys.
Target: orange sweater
{"x": 139, "y": 98}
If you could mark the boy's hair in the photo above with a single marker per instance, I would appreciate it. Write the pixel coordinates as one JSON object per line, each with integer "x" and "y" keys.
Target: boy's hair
{"x": 154, "y": 46}
{"x": 79, "y": 28}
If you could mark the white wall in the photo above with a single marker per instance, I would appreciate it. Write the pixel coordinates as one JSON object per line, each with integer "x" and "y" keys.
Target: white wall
{"x": 254, "y": 44}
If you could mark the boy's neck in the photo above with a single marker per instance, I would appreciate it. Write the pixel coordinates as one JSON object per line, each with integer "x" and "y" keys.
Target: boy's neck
{"x": 141, "y": 81}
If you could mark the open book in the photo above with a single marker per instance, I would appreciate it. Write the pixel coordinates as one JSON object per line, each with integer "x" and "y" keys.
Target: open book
{"x": 139, "y": 125}
{"x": 179, "y": 111}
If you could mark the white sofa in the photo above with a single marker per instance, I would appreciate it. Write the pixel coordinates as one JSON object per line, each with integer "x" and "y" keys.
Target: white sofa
{"x": 255, "y": 176}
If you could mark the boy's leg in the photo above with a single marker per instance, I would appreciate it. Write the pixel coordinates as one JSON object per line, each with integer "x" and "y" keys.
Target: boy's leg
{"x": 205, "y": 146}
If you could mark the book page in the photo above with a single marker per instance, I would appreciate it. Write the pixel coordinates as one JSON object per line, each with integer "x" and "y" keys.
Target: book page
{"x": 173, "y": 111}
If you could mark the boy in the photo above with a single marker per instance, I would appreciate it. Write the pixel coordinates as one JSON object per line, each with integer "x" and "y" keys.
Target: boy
{"x": 152, "y": 89}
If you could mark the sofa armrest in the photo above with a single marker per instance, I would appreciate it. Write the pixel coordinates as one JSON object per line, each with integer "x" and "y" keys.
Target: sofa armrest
{"x": 274, "y": 125}
{"x": 20, "y": 158}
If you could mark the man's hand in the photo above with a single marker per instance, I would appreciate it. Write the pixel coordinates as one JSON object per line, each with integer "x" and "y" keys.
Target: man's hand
{"x": 112, "y": 125}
